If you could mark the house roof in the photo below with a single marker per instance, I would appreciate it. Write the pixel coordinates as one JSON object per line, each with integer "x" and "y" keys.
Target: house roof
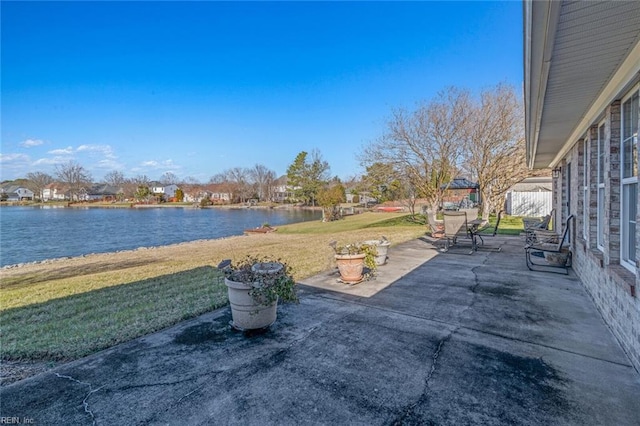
{"x": 460, "y": 183}
{"x": 578, "y": 58}
{"x": 103, "y": 189}
{"x": 534, "y": 184}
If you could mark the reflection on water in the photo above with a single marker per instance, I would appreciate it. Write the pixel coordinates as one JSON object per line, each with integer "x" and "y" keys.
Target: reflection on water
{"x": 30, "y": 234}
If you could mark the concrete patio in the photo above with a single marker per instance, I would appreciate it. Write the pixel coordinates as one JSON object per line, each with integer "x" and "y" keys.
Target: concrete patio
{"x": 434, "y": 339}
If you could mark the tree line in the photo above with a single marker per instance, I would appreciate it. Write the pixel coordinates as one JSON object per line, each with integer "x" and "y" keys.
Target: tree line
{"x": 418, "y": 154}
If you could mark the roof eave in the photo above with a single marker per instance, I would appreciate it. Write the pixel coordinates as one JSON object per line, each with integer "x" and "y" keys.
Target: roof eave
{"x": 540, "y": 24}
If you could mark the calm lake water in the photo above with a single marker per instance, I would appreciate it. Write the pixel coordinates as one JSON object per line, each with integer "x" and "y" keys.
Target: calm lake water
{"x": 29, "y": 234}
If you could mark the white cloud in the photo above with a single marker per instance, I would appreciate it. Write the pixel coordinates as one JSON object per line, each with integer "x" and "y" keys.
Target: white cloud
{"x": 50, "y": 161}
{"x": 12, "y": 159}
{"x": 109, "y": 164}
{"x": 62, "y": 151}
{"x": 105, "y": 150}
{"x": 29, "y": 143}
{"x": 14, "y": 166}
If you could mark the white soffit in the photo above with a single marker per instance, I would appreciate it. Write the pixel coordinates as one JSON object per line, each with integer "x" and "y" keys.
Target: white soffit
{"x": 593, "y": 45}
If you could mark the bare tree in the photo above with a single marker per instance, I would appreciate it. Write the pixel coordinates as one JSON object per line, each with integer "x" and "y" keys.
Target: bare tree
{"x": 424, "y": 146}
{"x": 495, "y": 146}
{"x": 115, "y": 178}
{"x": 74, "y": 176}
{"x": 168, "y": 178}
{"x": 38, "y": 182}
{"x": 239, "y": 177}
{"x": 263, "y": 179}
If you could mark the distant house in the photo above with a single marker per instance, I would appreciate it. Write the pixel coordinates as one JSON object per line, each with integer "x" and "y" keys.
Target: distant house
{"x": 281, "y": 191}
{"x": 16, "y": 193}
{"x": 103, "y": 192}
{"x": 53, "y": 192}
{"x": 219, "y": 193}
{"x": 531, "y": 197}
{"x": 166, "y": 191}
{"x": 460, "y": 190}
{"x": 362, "y": 197}
{"x": 196, "y": 195}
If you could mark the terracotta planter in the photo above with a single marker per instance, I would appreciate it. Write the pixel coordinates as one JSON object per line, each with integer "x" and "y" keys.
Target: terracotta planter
{"x": 382, "y": 249}
{"x": 350, "y": 267}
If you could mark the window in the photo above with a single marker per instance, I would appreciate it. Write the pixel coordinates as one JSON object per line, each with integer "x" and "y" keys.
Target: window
{"x": 585, "y": 189}
{"x": 629, "y": 179}
{"x": 601, "y": 154}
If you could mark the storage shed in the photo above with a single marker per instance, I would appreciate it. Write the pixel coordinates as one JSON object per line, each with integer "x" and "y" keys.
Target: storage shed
{"x": 530, "y": 197}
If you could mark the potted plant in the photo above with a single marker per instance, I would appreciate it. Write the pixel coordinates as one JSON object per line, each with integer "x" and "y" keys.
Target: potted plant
{"x": 254, "y": 287}
{"x": 351, "y": 260}
{"x": 382, "y": 248}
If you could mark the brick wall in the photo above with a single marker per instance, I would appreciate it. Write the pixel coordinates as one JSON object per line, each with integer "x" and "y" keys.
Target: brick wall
{"x": 613, "y": 289}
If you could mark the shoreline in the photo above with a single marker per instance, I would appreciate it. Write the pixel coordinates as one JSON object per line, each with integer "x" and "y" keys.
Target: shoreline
{"x": 107, "y": 253}
{"x": 120, "y": 205}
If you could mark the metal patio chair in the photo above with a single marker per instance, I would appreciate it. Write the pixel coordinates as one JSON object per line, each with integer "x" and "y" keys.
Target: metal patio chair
{"x": 456, "y": 228}
{"x": 437, "y": 226}
{"x": 531, "y": 225}
{"x": 550, "y": 248}
{"x": 487, "y": 230}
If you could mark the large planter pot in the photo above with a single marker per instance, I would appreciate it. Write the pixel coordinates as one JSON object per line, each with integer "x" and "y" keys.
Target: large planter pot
{"x": 382, "y": 249}
{"x": 350, "y": 267}
{"x": 245, "y": 313}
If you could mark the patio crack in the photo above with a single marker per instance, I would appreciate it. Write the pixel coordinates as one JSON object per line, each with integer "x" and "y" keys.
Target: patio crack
{"x": 426, "y": 389}
{"x": 85, "y": 401}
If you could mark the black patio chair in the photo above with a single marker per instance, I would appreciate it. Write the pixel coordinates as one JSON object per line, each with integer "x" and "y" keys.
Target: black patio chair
{"x": 482, "y": 231}
{"x": 550, "y": 248}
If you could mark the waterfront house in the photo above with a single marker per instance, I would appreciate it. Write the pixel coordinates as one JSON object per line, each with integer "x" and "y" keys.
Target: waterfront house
{"x": 164, "y": 191}
{"x": 54, "y": 192}
{"x": 103, "y": 192}
{"x": 281, "y": 192}
{"x": 220, "y": 193}
{"x": 15, "y": 193}
{"x": 582, "y": 111}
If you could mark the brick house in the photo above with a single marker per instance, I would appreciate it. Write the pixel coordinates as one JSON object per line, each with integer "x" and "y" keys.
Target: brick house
{"x": 582, "y": 111}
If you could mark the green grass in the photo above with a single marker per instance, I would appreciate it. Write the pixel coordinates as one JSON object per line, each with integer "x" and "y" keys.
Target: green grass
{"x": 350, "y": 223}
{"x": 74, "y": 326}
{"x": 509, "y": 225}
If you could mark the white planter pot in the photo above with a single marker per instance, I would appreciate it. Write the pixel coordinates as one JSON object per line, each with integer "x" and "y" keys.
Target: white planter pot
{"x": 382, "y": 248}
{"x": 246, "y": 314}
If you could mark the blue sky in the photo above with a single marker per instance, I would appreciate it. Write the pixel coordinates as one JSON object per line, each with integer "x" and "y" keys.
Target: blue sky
{"x": 194, "y": 88}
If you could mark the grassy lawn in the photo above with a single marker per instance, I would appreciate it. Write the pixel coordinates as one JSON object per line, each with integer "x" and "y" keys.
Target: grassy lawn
{"x": 67, "y": 309}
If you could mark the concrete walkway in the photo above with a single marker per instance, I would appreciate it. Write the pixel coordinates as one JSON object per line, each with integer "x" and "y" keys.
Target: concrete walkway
{"x": 435, "y": 339}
